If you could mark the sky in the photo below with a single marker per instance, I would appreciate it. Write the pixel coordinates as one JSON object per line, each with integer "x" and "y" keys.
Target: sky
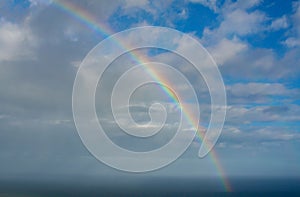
{"x": 255, "y": 44}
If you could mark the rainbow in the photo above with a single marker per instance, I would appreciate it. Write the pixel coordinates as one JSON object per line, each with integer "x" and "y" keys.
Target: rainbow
{"x": 89, "y": 20}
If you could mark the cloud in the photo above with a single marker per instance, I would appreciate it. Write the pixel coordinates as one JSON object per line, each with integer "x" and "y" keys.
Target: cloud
{"x": 279, "y": 23}
{"x": 245, "y": 4}
{"x": 39, "y": 63}
{"x": 210, "y": 4}
{"x": 292, "y": 42}
{"x": 239, "y": 114}
{"x": 39, "y": 2}
{"x": 226, "y": 49}
{"x": 256, "y": 63}
{"x": 263, "y": 89}
{"x": 277, "y": 135}
{"x": 229, "y": 45}
{"x": 232, "y": 22}
{"x": 135, "y": 3}
{"x": 16, "y": 41}
{"x": 294, "y": 35}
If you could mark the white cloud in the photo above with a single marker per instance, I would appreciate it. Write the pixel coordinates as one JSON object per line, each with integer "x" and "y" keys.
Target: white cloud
{"x": 235, "y": 20}
{"x": 16, "y": 41}
{"x": 249, "y": 89}
{"x": 292, "y": 42}
{"x": 294, "y": 39}
{"x": 226, "y": 49}
{"x": 241, "y": 19}
{"x": 296, "y": 16}
{"x": 212, "y": 4}
{"x": 183, "y": 14}
{"x": 40, "y": 2}
{"x": 224, "y": 42}
{"x": 246, "y": 4}
{"x": 279, "y": 23}
{"x": 266, "y": 133}
{"x": 135, "y": 3}
{"x": 222, "y": 145}
{"x": 242, "y": 23}
{"x": 71, "y": 35}
{"x": 257, "y": 63}
{"x": 238, "y": 115}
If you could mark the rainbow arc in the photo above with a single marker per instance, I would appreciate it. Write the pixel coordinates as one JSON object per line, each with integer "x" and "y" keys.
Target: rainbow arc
{"x": 90, "y": 21}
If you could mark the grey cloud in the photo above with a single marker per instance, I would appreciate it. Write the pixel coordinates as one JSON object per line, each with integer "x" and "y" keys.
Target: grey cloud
{"x": 37, "y": 131}
{"x": 293, "y": 39}
{"x": 256, "y": 64}
{"x": 259, "y": 92}
{"x": 276, "y": 109}
{"x": 239, "y": 115}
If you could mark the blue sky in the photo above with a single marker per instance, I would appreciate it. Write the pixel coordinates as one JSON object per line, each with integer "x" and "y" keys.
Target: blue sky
{"x": 255, "y": 43}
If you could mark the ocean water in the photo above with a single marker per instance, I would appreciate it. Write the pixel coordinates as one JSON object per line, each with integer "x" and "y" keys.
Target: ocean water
{"x": 157, "y": 186}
